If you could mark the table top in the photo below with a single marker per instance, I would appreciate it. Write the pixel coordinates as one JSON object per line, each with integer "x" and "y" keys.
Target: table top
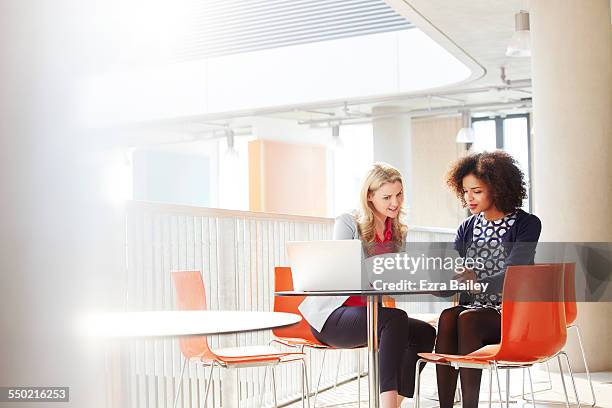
{"x": 365, "y": 292}
{"x": 182, "y": 323}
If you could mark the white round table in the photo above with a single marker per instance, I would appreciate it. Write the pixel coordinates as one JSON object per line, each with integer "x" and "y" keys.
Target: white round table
{"x": 182, "y": 323}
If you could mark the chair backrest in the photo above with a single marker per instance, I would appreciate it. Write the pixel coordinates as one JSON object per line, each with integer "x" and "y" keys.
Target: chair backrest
{"x": 283, "y": 281}
{"x": 569, "y": 291}
{"x": 191, "y": 295}
{"x": 533, "y": 313}
{"x": 388, "y": 301}
{"x": 571, "y": 311}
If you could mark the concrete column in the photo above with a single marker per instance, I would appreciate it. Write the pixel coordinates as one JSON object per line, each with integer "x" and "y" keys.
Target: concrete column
{"x": 392, "y": 144}
{"x": 572, "y": 84}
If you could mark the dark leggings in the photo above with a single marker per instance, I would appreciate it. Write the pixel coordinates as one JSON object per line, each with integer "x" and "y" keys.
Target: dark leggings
{"x": 460, "y": 331}
{"x": 400, "y": 339}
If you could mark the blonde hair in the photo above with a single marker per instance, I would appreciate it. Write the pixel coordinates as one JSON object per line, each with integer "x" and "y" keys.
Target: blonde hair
{"x": 379, "y": 174}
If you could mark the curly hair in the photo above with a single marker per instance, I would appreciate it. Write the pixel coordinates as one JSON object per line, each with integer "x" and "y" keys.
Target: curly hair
{"x": 498, "y": 170}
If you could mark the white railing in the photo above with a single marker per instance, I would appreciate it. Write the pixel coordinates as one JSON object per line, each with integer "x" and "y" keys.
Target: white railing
{"x": 236, "y": 252}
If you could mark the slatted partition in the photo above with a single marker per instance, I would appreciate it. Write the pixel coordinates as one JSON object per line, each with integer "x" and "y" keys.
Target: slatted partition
{"x": 427, "y": 303}
{"x": 236, "y": 252}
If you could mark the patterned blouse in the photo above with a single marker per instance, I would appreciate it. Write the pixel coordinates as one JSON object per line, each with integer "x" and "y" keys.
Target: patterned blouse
{"x": 487, "y": 245}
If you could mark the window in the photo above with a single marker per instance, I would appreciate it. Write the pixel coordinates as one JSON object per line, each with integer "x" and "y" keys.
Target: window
{"x": 511, "y": 134}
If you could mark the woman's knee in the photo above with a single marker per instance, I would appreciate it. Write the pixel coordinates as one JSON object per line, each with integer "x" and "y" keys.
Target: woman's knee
{"x": 426, "y": 334}
{"x": 451, "y": 313}
{"x": 473, "y": 319}
{"x": 448, "y": 319}
{"x": 394, "y": 313}
{"x": 446, "y": 341}
{"x": 392, "y": 317}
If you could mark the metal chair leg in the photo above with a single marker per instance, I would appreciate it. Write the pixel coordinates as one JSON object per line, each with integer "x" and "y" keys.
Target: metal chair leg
{"x": 569, "y": 367}
{"x": 501, "y": 398}
{"x": 548, "y": 387}
{"x": 567, "y": 404}
{"x": 319, "y": 381}
{"x": 490, "y": 385}
{"x": 274, "y": 386}
{"x": 180, "y": 385}
{"x": 338, "y": 369}
{"x": 417, "y": 386}
{"x": 209, "y": 383}
{"x": 507, "y": 388}
{"x": 586, "y": 366}
{"x": 262, "y": 392}
{"x": 549, "y": 378}
{"x": 523, "y": 384}
{"x": 305, "y": 387}
{"x": 530, "y": 385}
{"x": 458, "y": 394}
{"x": 358, "y": 378}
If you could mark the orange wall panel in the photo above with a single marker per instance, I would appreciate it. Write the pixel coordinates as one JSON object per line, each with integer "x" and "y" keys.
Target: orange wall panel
{"x": 287, "y": 178}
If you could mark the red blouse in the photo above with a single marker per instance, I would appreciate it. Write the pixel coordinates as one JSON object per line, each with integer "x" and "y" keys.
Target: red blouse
{"x": 361, "y": 300}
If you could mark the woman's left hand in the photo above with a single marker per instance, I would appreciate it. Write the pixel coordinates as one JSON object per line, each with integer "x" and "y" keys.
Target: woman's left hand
{"x": 468, "y": 276}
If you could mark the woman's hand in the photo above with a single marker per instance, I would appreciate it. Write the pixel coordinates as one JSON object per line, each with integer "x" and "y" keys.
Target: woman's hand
{"x": 468, "y": 276}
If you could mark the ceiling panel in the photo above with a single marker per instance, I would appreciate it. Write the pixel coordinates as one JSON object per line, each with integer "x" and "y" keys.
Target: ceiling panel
{"x": 223, "y": 27}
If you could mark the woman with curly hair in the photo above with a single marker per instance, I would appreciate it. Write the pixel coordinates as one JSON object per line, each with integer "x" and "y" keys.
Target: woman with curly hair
{"x": 341, "y": 321}
{"x": 492, "y": 187}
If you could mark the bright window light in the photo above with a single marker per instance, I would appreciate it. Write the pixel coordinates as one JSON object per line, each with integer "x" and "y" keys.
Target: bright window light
{"x": 369, "y": 65}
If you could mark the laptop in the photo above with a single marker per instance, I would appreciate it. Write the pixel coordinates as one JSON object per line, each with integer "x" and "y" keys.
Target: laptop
{"x": 325, "y": 265}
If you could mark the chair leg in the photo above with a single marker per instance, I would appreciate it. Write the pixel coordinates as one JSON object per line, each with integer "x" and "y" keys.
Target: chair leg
{"x": 180, "y": 385}
{"x": 531, "y": 386}
{"x": 417, "y": 386}
{"x": 209, "y": 383}
{"x": 319, "y": 380}
{"x": 305, "y": 387}
{"x": 569, "y": 367}
{"x": 338, "y": 369}
{"x": 501, "y": 398}
{"x": 523, "y": 384}
{"x": 586, "y": 366}
{"x": 548, "y": 387}
{"x": 490, "y": 385}
{"x": 262, "y": 393}
{"x": 274, "y": 386}
{"x": 567, "y": 404}
{"x": 458, "y": 395}
{"x": 549, "y": 378}
{"x": 507, "y": 388}
{"x": 358, "y": 378}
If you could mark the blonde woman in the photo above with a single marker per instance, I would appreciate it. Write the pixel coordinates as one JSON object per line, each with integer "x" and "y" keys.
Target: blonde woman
{"x": 341, "y": 321}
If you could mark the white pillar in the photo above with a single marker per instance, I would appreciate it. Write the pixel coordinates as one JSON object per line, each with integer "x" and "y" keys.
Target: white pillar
{"x": 393, "y": 145}
{"x": 572, "y": 85}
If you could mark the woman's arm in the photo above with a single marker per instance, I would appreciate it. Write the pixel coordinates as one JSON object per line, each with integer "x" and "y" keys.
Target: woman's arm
{"x": 345, "y": 227}
{"x": 521, "y": 251}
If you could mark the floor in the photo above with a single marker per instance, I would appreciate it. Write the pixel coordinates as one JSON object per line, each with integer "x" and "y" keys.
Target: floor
{"x": 345, "y": 395}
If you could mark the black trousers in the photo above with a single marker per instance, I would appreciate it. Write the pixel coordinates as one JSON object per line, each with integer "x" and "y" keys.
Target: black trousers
{"x": 462, "y": 330}
{"x": 400, "y": 339}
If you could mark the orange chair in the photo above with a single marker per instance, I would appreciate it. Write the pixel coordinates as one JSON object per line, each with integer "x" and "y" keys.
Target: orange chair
{"x": 533, "y": 327}
{"x": 299, "y": 335}
{"x": 191, "y": 295}
{"x": 571, "y": 312}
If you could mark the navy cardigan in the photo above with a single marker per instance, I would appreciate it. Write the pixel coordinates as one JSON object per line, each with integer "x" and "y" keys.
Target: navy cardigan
{"x": 519, "y": 242}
